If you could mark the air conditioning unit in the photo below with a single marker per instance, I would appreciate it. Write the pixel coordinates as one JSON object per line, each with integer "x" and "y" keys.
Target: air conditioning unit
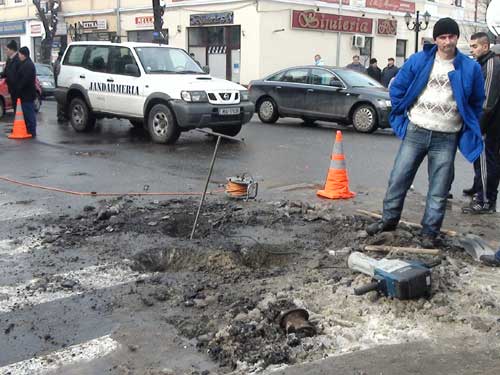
{"x": 358, "y": 41}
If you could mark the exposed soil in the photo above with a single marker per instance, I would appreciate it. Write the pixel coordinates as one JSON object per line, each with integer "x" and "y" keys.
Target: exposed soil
{"x": 252, "y": 261}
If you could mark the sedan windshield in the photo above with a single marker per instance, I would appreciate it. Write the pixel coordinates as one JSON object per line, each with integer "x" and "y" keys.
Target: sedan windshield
{"x": 160, "y": 60}
{"x": 355, "y": 79}
{"x": 43, "y": 70}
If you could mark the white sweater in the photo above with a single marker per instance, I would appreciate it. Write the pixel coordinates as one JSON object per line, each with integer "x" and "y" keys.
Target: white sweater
{"x": 436, "y": 108}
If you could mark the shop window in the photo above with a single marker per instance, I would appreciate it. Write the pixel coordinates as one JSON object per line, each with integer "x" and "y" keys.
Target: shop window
{"x": 119, "y": 57}
{"x": 366, "y": 52}
{"x": 75, "y": 55}
{"x": 216, "y": 36}
{"x": 296, "y": 76}
{"x": 144, "y": 36}
{"x": 98, "y": 59}
{"x": 234, "y": 36}
{"x": 197, "y": 36}
{"x": 400, "y": 51}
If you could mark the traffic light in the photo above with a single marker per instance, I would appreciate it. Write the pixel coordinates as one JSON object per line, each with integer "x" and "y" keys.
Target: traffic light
{"x": 158, "y": 11}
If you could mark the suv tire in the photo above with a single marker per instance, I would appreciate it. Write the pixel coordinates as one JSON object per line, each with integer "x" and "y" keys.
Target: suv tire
{"x": 80, "y": 116}
{"x": 230, "y": 131}
{"x": 162, "y": 125}
{"x": 364, "y": 119}
{"x": 268, "y": 111}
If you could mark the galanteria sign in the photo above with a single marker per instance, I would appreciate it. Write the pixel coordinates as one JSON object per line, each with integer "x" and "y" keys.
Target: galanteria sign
{"x": 331, "y": 22}
{"x": 387, "y": 26}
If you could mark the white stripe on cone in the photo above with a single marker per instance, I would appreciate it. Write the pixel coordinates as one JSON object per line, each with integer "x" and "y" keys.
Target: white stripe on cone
{"x": 81, "y": 353}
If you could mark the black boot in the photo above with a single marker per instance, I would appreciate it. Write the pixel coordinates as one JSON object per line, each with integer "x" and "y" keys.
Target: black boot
{"x": 479, "y": 208}
{"x": 469, "y": 192}
{"x": 380, "y": 226}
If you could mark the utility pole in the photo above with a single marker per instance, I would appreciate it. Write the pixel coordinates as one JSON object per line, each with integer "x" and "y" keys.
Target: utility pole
{"x": 158, "y": 11}
{"x": 339, "y": 34}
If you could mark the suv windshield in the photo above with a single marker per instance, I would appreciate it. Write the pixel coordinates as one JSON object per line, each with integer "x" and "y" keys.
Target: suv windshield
{"x": 356, "y": 79}
{"x": 43, "y": 70}
{"x": 167, "y": 60}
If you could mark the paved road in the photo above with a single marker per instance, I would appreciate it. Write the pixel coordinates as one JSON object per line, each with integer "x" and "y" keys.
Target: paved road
{"x": 289, "y": 160}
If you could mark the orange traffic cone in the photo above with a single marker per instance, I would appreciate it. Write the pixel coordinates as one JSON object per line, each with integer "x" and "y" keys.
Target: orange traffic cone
{"x": 19, "y": 130}
{"x": 337, "y": 183}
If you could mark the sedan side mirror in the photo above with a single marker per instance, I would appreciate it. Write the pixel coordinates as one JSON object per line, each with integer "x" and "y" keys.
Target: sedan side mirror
{"x": 206, "y": 69}
{"x": 336, "y": 83}
{"x": 133, "y": 70}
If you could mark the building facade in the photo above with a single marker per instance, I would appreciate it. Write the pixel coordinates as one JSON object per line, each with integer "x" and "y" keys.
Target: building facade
{"x": 243, "y": 40}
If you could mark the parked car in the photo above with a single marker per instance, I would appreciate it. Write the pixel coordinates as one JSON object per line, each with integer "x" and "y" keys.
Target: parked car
{"x": 5, "y": 99}
{"x": 156, "y": 86}
{"x": 322, "y": 93}
{"x": 45, "y": 75}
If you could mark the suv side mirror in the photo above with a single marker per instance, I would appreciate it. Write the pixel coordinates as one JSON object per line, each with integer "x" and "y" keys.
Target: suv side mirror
{"x": 206, "y": 69}
{"x": 133, "y": 70}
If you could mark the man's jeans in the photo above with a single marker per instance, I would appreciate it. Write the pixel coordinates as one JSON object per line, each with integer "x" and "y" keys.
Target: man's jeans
{"x": 440, "y": 149}
{"x": 29, "y": 116}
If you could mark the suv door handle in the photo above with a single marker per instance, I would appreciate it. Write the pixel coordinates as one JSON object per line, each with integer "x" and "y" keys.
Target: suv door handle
{"x": 278, "y": 87}
{"x": 82, "y": 76}
{"x": 310, "y": 90}
{"x": 110, "y": 80}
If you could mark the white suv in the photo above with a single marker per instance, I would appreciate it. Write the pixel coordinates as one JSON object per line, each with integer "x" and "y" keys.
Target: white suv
{"x": 157, "y": 86}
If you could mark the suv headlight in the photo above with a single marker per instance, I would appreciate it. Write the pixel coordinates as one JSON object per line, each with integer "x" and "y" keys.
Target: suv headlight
{"x": 194, "y": 96}
{"x": 244, "y": 96}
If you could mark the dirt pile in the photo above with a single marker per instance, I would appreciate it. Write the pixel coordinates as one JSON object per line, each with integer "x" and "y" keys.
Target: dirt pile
{"x": 251, "y": 261}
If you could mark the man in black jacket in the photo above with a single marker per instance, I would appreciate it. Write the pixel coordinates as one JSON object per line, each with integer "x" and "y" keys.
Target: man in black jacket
{"x": 374, "y": 71}
{"x": 389, "y": 72}
{"x": 26, "y": 89}
{"x": 10, "y": 71}
{"x": 487, "y": 167}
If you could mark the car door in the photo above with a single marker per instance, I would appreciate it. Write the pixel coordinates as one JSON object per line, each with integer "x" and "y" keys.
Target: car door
{"x": 327, "y": 96}
{"x": 291, "y": 91}
{"x": 73, "y": 70}
{"x": 97, "y": 77}
{"x": 125, "y": 97}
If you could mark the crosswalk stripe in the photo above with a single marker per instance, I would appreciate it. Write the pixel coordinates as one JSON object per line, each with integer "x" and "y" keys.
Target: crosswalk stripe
{"x": 80, "y": 353}
{"x": 87, "y": 279}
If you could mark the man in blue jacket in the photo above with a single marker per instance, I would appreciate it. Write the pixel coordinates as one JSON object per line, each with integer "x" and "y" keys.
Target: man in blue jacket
{"x": 436, "y": 98}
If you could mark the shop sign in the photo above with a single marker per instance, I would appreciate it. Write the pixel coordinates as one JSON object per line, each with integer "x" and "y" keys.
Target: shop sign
{"x": 144, "y": 21}
{"x": 393, "y": 5}
{"x": 13, "y": 27}
{"x": 387, "y": 27}
{"x": 36, "y": 29}
{"x": 95, "y": 25}
{"x": 211, "y": 19}
{"x": 331, "y": 22}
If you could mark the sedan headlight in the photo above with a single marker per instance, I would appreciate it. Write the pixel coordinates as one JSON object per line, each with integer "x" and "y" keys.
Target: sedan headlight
{"x": 194, "y": 96}
{"x": 244, "y": 96}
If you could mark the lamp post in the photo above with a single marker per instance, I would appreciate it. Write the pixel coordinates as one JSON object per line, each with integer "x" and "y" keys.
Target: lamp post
{"x": 75, "y": 31}
{"x": 417, "y": 25}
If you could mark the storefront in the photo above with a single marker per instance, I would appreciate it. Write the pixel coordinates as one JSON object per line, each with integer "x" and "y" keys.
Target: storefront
{"x": 141, "y": 29}
{"x": 13, "y": 30}
{"x": 98, "y": 29}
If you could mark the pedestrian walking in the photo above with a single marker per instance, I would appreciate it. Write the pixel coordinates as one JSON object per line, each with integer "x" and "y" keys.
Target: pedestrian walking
{"x": 26, "y": 88}
{"x": 487, "y": 167}
{"x": 389, "y": 72}
{"x": 356, "y": 65}
{"x": 437, "y": 100}
{"x": 374, "y": 71}
{"x": 318, "y": 61}
{"x": 11, "y": 69}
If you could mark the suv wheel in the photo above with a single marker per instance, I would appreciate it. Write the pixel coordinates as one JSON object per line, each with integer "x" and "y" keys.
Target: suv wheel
{"x": 230, "y": 131}
{"x": 38, "y": 103}
{"x": 162, "y": 125}
{"x": 364, "y": 119}
{"x": 268, "y": 111}
{"x": 80, "y": 116}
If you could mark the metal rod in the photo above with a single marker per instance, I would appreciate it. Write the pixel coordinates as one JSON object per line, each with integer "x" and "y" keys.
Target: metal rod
{"x": 219, "y": 135}
{"x": 206, "y": 187}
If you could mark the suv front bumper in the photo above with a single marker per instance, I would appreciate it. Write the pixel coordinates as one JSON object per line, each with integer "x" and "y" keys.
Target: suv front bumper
{"x": 206, "y": 115}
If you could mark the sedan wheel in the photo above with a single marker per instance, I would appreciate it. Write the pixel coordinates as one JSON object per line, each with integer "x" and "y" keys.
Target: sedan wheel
{"x": 268, "y": 111}
{"x": 364, "y": 119}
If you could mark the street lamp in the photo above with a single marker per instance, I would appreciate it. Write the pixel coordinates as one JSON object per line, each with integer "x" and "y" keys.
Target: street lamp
{"x": 75, "y": 31}
{"x": 417, "y": 25}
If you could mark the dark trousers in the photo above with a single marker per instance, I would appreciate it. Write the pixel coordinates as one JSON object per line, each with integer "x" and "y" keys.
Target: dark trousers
{"x": 490, "y": 160}
{"x": 30, "y": 117}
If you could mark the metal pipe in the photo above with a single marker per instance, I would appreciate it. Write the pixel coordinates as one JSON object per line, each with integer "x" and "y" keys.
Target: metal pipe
{"x": 118, "y": 19}
{"x": 206, "y": 186}
{"x": 339, "y": 35}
